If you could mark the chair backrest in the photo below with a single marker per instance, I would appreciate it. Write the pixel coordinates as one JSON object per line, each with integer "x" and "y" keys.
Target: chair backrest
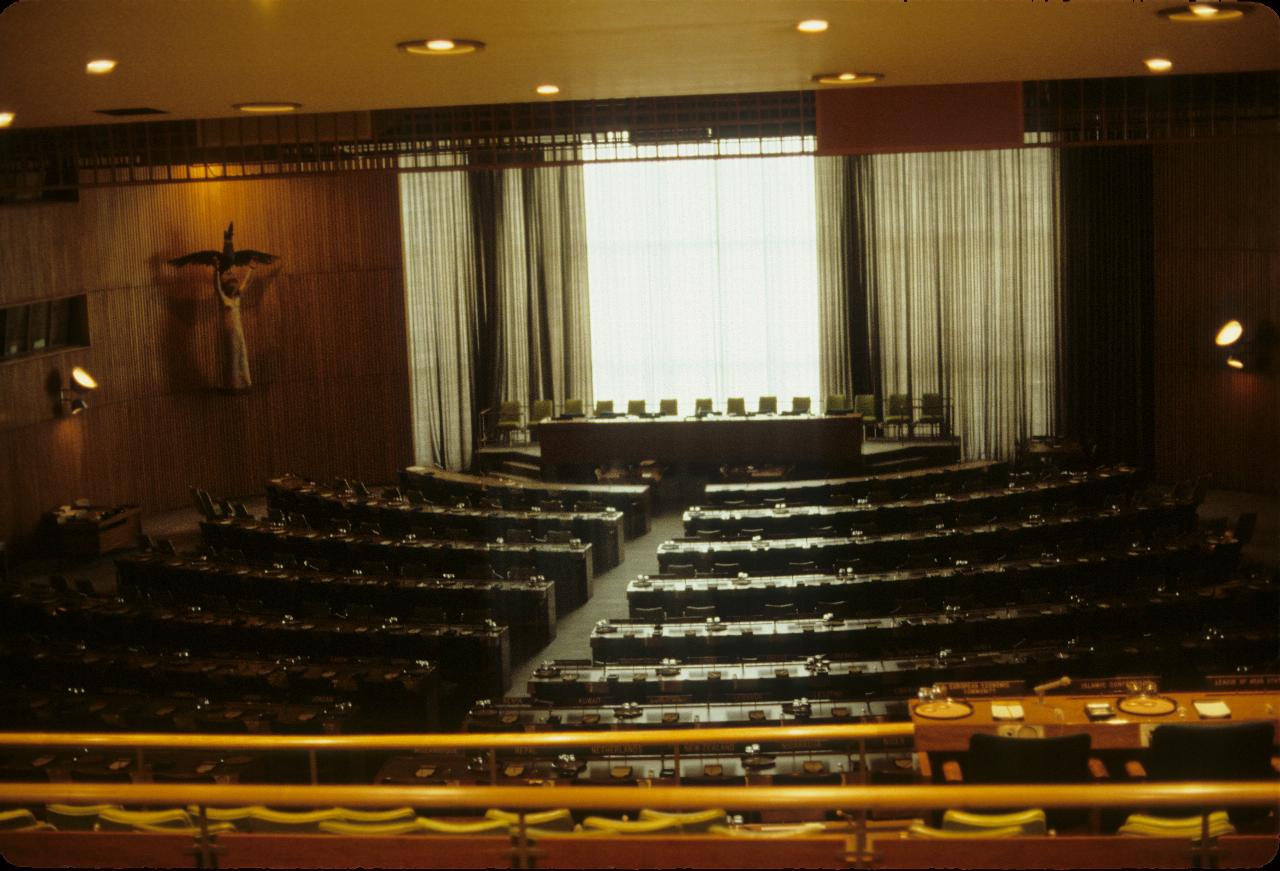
{"x": 541, "y": 409}
{"x": 768, "y": 405}
{"x": 899, "y": 405}
{"x": 635, "y": 406}
{"x": 702, "y": 406}
{"x": 996, "y": 759}
{"x": 931, "y": 405}
{"x": 1211, "y": 751}
{"x": 837, "y": 402}
{"x": 604, "y": 406}
{"x": 800, "y": 405}
{"x": 573, "y": 406}
{"x": 865, "y": 404}
{"x": 736, "y": 405}
{"x": 668, "y": 407}
{"x": 509, "y": 411}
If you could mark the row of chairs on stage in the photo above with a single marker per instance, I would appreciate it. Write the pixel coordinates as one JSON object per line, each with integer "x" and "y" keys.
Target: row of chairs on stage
{"x": 899, "y": 410}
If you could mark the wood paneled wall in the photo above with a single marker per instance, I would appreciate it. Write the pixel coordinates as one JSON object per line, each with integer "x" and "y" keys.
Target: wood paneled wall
{"x": 325, "y": 330}
{"x": 1217, "y": 255}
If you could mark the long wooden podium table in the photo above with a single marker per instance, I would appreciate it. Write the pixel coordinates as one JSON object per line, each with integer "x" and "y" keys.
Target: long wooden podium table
{"x": 782, "y": 439}
{"x": 946, "y": 725}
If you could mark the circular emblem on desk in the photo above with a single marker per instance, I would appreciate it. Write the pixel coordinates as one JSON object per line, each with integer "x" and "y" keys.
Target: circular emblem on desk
{"x": 944, "y": 709}
{"x": 1148, "y": 706}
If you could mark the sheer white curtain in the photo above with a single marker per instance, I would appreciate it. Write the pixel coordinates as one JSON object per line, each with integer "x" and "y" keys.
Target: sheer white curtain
{"x": 703, "y": 279}
{"x": 962, "y": 266}
{"x": 441, "y": 312}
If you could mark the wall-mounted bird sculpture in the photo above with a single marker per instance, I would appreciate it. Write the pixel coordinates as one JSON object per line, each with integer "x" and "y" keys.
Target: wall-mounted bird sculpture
{"x": 230, "y": 289}
{"x": 227, "y": 257}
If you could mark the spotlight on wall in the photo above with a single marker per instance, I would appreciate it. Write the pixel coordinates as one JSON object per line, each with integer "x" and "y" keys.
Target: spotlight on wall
{"x": 70, "y": 400}
{"x": 1244, "y": 344}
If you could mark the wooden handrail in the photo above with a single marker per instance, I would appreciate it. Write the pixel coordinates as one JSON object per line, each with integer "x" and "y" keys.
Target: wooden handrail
{"x": 899, "y": 798}
{"x": 851, "y": 732}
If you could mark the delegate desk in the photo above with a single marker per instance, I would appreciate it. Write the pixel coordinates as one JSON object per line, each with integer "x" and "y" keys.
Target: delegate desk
{"x": 944, "y": 726}
{"x": 897, "y": 484}
{"x": 604, "y": 529}
{"x": 806, "y": 440}
{"x": 631, "y": 499}
{"x": 888, "y": 550}
{"x": 569, "y": 565}
{"x": 790, "y": 520}
{"x": 976, "y": 629}
{"x": 1006, "y": 671}
{"x": 850, "y": 594}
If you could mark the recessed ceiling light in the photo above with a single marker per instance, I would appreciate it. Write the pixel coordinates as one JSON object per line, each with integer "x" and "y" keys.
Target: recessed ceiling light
{"x": 1235, "y": 363}
{"x": 100, "y": 67}
{"x": 6, "y": 118}
{"x": 266, "y": 107}
{"x": 812, "y": 25}
{"x": 847, "y": 78}
{"x": 440, "y": 46}
{"x": 547, "y": 90}
{"x": 1204, "y": 12}
{"x": 1158, "y": 64}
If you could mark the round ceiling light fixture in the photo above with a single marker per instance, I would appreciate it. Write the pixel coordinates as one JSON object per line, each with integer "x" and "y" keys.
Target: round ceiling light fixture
{"x": 6, "y": 118}
{"x": 1204, "y": 12}
{"x": 441, "y": 46}
{"x": 100, "y": 67}
{"x": 812, "y": 25}
{"x": 1158, "y": 64}
{"x": 847, "y": 78}
{"x": 267, "y": 107}
{"x": 547, "y": 90}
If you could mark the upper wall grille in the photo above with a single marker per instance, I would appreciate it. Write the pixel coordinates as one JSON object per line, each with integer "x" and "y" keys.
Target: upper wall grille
{"x": 36, "y": 162}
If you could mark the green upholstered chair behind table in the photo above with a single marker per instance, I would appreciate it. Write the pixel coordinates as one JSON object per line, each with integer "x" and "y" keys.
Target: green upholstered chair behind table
{"x": 800, "y": 405}
{"x": 668, "y": 407}
{"x": 998, "y": 759}
{"x": 736, "y": 406}
{"x": 899, "y": 411}
{"x": 933, "y": 412}
{"x": 604, "y": 406}
{"x": 635, "y": 407}
{"x": 574, "y": 407}
{"x": 768, "y": 405}
{"x": 510, "y": 420}
{"x": 542, "y": 409}
{"x": 1212, "y": 751}
{"x": 865, "y": 405}
{"x": 837, "y": 403}
{"x": 702, "y": 406}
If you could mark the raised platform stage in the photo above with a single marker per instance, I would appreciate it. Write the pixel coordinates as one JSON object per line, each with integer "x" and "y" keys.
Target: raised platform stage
{"x": 878, "y": 455}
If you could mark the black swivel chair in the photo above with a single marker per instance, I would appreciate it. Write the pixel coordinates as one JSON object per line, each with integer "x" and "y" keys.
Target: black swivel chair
{"x": 996, "y": 759}
{"x": 1212, "y": 751}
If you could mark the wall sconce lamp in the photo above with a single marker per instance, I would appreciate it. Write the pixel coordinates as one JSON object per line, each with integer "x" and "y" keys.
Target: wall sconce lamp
{"x": 1244, "y": 345}
{"x": 69, "y": 399}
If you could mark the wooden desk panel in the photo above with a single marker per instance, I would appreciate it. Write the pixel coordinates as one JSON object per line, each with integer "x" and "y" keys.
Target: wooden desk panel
{"x": 1064, "y": 715}
{"x": 830, "y": 441}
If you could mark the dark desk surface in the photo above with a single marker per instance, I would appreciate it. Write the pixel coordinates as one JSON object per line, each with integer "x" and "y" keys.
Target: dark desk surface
{"x": 1063, "y": 485}
{"x": 718, "y": 492}
{"x": 778, "y": 438}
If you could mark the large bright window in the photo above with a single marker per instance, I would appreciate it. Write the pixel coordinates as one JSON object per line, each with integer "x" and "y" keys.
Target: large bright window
{"x": 703, "y": 277}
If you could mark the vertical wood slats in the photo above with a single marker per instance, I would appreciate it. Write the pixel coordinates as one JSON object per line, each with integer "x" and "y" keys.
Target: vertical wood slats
{"x": 1217, "y": 256}
{"x": 325, "y": 329}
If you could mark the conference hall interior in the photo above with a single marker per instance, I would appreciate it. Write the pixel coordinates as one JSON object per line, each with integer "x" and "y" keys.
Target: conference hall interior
{"x": 639, "y": 433}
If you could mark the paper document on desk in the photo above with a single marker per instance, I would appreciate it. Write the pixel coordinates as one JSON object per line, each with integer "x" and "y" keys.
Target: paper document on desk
{"x": 1006, "y": 711}
{"x": 1212, "y": 709}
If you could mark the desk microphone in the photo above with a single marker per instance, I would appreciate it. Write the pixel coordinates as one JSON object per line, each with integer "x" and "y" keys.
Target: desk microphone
{"x": 1043, "y": 688}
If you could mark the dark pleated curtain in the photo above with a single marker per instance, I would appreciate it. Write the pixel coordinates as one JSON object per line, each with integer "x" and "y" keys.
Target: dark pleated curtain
{"x": 938, "y": 276}
{"x": 1106, "y": 304}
